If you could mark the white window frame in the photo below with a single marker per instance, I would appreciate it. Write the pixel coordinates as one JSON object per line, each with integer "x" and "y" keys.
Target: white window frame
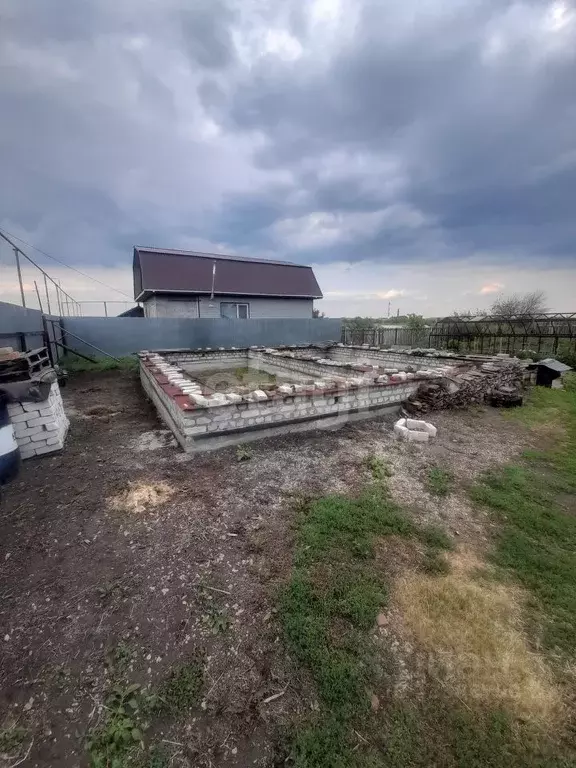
{"x": 237, "y": 305}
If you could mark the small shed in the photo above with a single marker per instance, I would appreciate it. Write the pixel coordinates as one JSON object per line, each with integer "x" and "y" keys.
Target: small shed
{"x": 548, "y": 370}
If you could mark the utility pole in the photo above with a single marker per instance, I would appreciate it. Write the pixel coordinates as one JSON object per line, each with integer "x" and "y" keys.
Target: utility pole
{"x": 17, "y": 255}
{"x": 38, "y": 295}
{"x": 47, "y": 294}
{"x": 58, "y": 299}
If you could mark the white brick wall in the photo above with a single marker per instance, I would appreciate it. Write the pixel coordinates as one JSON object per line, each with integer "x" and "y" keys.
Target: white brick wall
{"x": 40, "y": 427}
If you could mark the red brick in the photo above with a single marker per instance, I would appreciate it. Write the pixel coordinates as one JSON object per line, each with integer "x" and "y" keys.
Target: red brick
{"x": 184, "y": 402}
{"x": 171, "y": 390}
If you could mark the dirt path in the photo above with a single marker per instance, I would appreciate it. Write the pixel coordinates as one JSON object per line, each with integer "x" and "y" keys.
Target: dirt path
{"x": 88, "y": 585}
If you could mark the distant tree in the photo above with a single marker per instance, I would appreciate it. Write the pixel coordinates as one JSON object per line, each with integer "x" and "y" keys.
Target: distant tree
{"x": 316, "y": 313}
{"x": 532, "y": 303}
{"x": 468, "y": 312}
{"x": 415, "y": 322}
{"x": 360, "y": 323}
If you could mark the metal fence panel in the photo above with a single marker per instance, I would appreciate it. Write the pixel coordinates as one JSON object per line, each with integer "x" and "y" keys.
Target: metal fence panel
{"x": 124, "y": 335}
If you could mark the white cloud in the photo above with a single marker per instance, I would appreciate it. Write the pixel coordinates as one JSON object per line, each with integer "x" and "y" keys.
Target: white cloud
{"x": 323, "y": 229}
{"x": 490, "y": 288}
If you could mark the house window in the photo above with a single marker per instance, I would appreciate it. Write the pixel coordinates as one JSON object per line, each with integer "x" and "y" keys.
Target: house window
{"x": 234, "y": 311}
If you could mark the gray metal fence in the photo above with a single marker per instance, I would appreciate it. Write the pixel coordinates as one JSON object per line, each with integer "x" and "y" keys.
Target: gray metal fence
{"x": 387, "y": 337}
{"x": 124, "y": 335}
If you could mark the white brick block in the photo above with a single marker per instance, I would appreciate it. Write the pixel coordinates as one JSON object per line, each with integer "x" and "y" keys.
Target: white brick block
{"x": 198, "y": 399}
{"x": 54, "y": 441}
{"x": 14, "y": 409}
{"x": 195, "y": 430}
{"x": 39, "y": 436}
{"x": 417, "y": 437}
{"x": 46, "y": 411}
{"x": 31, "y": 407}
{"x": 257, "y": 395}
{"x": 40, "y": 421}
{"x": 23, "y": 441}
{"x": 46, "y": 449}
{"x": 20, "y": 417}
{"x": 51, "y": 426}
{"x": 22, "y": 430}
{"x": 27, "y": 453}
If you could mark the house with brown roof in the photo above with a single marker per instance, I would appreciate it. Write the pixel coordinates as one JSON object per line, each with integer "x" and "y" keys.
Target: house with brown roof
{"x": 171, "y": 283}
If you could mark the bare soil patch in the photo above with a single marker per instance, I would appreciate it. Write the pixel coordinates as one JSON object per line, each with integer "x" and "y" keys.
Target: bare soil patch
{"x": 88, "y": 590}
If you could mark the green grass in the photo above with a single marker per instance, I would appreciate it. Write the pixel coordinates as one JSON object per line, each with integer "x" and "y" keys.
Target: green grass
{"x": 439, "y": 481}
{"x": 74, "y": 364}
{"x": 327, "y": 610}
{"x": 434, "y": 563}
{"x": 535, "y": 503}
{"x": 378, "y": 467}
{"x": 12, "y": 739}
{"x": 115, "y": 742}
{"x": 181, "y": 689}
{"x": 329, "y": 606}
{"x": 118, "y": 740}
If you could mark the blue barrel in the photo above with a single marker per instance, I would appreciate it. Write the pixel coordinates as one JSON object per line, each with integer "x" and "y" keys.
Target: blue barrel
{"x": 9, "y": 451}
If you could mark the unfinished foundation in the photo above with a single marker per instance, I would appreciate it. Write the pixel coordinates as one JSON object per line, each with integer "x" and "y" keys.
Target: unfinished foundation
{"x": 213, "y": 398}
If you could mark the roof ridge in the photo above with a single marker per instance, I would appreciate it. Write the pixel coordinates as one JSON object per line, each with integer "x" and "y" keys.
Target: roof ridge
{"x": 223, "y": 256}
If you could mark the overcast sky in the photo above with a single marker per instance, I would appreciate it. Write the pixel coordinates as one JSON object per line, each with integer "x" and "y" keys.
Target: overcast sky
{"x": 420, "y": 152}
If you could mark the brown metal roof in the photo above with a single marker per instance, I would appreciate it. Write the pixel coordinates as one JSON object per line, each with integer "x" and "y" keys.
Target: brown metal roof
{"x": 168, "y": 271}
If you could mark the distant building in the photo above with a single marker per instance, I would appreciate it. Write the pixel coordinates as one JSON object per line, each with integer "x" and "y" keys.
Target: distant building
{"x": 172, "y": 283}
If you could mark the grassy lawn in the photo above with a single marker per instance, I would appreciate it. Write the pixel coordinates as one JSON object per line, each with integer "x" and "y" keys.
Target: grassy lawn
{"x": 535, "y": 504}
{"x": 485, "y": 697}
{"x": 75, "y": 364}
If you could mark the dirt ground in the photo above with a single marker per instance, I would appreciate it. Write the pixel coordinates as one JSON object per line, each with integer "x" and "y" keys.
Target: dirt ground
{"x": 124, "y": 550}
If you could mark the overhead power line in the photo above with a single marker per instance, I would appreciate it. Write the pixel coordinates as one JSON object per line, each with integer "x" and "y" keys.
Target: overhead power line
{"x": 17, "y": 252}
{"x": 63, "y": 264}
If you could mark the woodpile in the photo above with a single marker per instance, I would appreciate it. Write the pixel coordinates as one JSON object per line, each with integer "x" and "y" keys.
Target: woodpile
{"x": 468, "y": 388}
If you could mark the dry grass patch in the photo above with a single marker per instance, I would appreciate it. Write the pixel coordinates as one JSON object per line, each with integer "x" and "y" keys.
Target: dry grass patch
{"x": 472, "y": 633}
{"x": 139, "y": 496}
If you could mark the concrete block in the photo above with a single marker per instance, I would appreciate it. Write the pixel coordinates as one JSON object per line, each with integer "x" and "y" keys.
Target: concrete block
{"x": 199, "y": 400}
{"x": 54, "y": 441}
{"x": 233, "y": 397}
{"x": 285, "y": 389}
{"x": 417, "y": 437}
{"x": 39, "y": 436}
{"x": 195, "y": 430}
{"x": 250, "y": 413}
{"x": 23, "y": 430}
{"x": 14, "y": 409}
{"x": 40, "y": 421}
{"x": 431, "y": 429}
{"x": 31, "y": 407}
{"x": 258, "y": 395}
{"x": 46, "y": 449}
{"x": 27, "y": 452}
{"x": 16, "y": 419}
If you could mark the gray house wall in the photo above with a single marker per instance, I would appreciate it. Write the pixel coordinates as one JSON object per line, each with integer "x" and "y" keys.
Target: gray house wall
{"x": 205, "y": 307}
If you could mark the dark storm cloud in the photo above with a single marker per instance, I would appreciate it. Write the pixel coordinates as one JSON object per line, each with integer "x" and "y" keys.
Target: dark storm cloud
{"x": 323, "y": 131}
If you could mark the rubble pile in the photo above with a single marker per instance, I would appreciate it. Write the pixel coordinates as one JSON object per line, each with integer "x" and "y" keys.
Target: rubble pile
{"x": 504, "y": 375}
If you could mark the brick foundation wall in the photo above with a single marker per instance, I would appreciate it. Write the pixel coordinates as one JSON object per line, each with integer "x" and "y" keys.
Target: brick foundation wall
{"x": 40, "y": 427}
{"x": 391, "y": 359}
{"x": 202, "y": 428}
